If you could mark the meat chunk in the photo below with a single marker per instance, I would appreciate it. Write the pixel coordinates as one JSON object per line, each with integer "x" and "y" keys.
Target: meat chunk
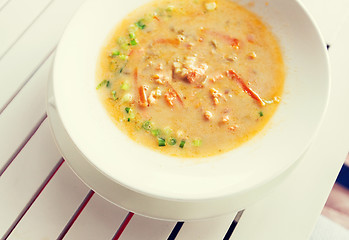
{"x": 196, "y": 74}
{"x": 157, "y": 93}
{"x": 153, "y": 96}
{"x": 160, "y": 78}
{"x": 160, "y": 67}
{"x": 208, "y": 115}
{"x": 225, "y": 119}
{"x": 217, "y": 77}
{"x": 252, "y": 55}
{"x": 216, "y": 95}
{"x": 233, "y": 127}
{"x": 170, "y": 96}
{"x": 189, "y": 70}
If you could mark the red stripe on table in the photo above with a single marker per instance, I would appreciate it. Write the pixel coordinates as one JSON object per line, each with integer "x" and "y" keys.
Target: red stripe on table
{"x": 76, "y": 214}
{"x": 32, "y": 200}
{"x": 123, "y": 226}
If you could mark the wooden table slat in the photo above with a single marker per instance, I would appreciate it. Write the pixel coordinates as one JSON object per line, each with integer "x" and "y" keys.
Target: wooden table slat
{"x": 53, "y": 208}
{"x": 147, "y": 229}
{"x": 31, "y": 50}
{"x": 20, "y": 14}
{"x": 24, "y": 176}
{"x": 99, "y": 220}
{"x": 22, "y": 72}
{"x": 23, "y": 114}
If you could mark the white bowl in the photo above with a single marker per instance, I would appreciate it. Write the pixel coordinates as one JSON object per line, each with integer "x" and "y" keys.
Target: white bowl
{"x": 149, "y": 183}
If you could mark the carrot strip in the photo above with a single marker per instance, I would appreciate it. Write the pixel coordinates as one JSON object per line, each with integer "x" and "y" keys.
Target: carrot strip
{"x": 143, "y": 101}
{"x": 136, "y": 53}
{"x": 130, "y": 53}
{"x": 135, "y": 76}
{"x": 179, "y": 97}
{"x": 233, "y": 75}
{"x": 174, "y": 41}
{"x": 155, "y": 17}
{"x": 234, "y": 42}
{"x": 135, "y": 79}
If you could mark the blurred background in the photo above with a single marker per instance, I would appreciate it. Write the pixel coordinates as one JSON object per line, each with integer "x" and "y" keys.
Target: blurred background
{"x": 337, "y": 205}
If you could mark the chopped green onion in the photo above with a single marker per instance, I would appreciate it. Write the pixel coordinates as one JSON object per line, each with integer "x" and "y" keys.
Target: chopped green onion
{"x": 127, "y": 109}
{"x": 127, "y": 98}
{"x": 168, "y": 131}
{"x": 104, "y": 82}
{"x": 170, "y": 8}
{"x": 115, "y": 53}
{"x": 132, "y": 35}
{"x": 107, "y": 84}
{"x": 172, "y": 141}
{"x": 146, "y": 125}
{"x": 134, "y": 42}
{"x": 125, "y": 86}
{"x": 123, "y": 57}
{"x": 181, "y": 145}
{"x": 121, "y": 40}
{"x": 132, "y": 28}
{"x": 125, "y": 46}
{"x": 114, "y": 95}
{"x": 157, "y": 12}
{"x": 132, "y": 115}
{"x": 161, "y": 142}
{"x": 140, "y": 24}
{"x": 197, "y": 142}
{"x": 121, "y": 69}
{"x": 210, "y": 6}
{"x": 155, "y": 132}
{"x": 261, "y": 114}
{"x": 128, "y": 119}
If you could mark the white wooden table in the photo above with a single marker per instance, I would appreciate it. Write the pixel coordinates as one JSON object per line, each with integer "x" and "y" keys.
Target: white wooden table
{"x": 41, "y": 198}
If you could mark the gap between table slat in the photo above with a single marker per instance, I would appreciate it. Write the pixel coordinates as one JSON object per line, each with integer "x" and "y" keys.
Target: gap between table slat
{"x": 179, "y": 225}
{"x": 123, "y": 226}
{"x": 76, "y": 214}
{"x": 3, "y": 5}
{"x": 233, "y": 225}
{"x": 35, "y": 196}
{"x": 175, "y": 231}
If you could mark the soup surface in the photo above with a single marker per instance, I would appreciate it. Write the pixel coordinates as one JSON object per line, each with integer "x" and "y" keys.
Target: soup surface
{"x": 191, "y": 78}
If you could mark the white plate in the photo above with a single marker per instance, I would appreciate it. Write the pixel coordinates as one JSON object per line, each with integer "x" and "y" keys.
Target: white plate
{"x": 152, "y": 184}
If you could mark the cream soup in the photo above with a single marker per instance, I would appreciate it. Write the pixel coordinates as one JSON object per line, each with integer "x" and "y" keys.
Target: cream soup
{"x": 191, "y": 78}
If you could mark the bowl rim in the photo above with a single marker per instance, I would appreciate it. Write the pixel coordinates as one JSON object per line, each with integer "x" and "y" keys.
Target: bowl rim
{"x": 157, "y": 195}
